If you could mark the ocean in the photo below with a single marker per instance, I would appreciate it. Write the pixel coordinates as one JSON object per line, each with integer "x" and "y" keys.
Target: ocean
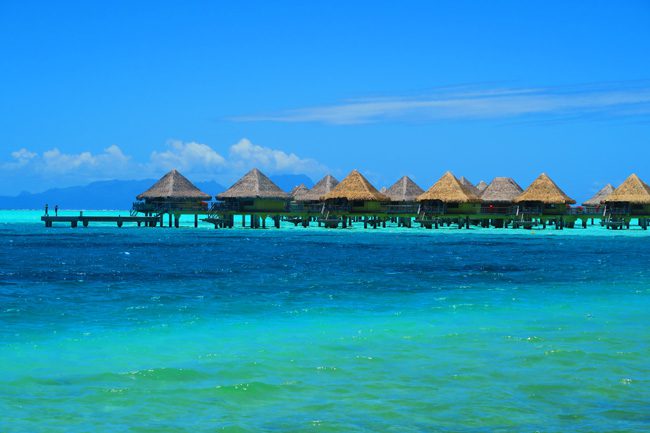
{"x": 315, "y": 330}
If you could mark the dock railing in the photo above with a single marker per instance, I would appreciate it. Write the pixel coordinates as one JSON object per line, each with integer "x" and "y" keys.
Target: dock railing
{"x": 315, "y": 208}
{"x": 222, "y": 207}
{"x": 528, "y": 210}
{"x": 225, "y": 206}
{"x": 498, "y": 209}
{"x": 337, "y": 208}
{"x": 405, "y": 208}
{"x": 433, "y": 209}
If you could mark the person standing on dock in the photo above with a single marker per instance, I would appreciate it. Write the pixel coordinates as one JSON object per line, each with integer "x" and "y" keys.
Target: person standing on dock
{"x": 46, "y": 209}
{"x": 56, "y": 210}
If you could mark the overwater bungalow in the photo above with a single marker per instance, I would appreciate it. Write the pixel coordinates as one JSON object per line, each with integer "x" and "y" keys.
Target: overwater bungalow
{"x": 448, "y": 198}
{"x": 469, "y": 185}
{"x": 596, "y": 204}
{"x": 481, "y": 186}
{"x": 403, "y": 196}
{"x": 174, "y": 195}
{"x": 599, "y": 198}
{"x": 354, "y": 195}
{"x": 315, "y": 194}
{"x": 307, "y": 204}
{"x": 255, "y": 195}
{"x": 302, "y": 188}
{"x": 498, "y": 199}
{"x": 630, "y": 200}
{"x": 544, "y": 201}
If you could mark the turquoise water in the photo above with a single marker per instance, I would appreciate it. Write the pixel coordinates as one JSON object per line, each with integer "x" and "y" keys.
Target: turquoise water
{"x": 291, "y": 330}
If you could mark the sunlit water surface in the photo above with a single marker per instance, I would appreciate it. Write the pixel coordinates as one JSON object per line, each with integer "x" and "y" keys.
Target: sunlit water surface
{"x": 291, "y": 330}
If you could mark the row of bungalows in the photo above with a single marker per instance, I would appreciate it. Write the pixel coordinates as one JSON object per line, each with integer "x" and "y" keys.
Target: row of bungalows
{"x": 449, "y": 200}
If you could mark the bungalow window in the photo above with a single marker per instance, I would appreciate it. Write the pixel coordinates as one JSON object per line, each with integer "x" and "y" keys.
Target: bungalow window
{"x": 357, "y": 203}
{"x": 247, "y": 202}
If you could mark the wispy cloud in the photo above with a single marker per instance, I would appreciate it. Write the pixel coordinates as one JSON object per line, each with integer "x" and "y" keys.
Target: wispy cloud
{"x": 465, "y": 103}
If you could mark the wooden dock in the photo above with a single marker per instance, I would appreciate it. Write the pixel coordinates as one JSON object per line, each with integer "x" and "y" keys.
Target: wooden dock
{"x": 75, "y": 220}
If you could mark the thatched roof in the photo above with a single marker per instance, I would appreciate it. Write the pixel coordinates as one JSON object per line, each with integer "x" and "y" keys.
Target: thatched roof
{"x": 448, "y": 189}
{"x": 298, "y": 189}
{"x": 600, "y": 196}
{"x": 321, "y": 188}
{"x": 633, "y": 190}
{"x": 469, "y": 185}
{"x": 355, "y": 187}
{"x": 175, "y": 186}
{"x": 481, "y": 186}
{"x": 544, "y": 190}
{"x": 501, "y": 190}
{"x": 254, "y": 184}
{"x": 404, "y": 190}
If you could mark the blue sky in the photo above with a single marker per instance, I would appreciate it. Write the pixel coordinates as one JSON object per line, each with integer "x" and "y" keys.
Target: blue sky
{"x": 100, "y": 90}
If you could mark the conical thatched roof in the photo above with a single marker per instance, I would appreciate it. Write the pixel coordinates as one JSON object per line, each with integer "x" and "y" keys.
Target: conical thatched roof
{"x": 173, "y": 185}
{"x": 544, "y": 190}
{"x": 404, "y": 190}
{"x": 600, "y": 196}
{"x": 448, "y": 189}
{"x": 633, "y": 190}
{"x": 481, "y": 186}
{"x": 355, "y": 187}
{"x": 254, "y": 184}
{"x": 469, "y": 185}
{"x": 298, "y": 189}
{"x": 501, "y": 190}
{"x": 321, "y": 188}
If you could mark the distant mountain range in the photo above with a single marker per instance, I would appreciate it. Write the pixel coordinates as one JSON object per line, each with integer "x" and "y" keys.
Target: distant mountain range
{"x": 117, "y": 194}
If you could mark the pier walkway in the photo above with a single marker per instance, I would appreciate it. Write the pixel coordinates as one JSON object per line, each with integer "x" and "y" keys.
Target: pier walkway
{"x": 75, "y": 220}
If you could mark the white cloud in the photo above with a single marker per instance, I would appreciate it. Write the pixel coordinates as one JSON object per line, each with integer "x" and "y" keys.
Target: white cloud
{"x": 55, "y": 162}
{"x": 21, "y": 158}
{"x": 246, "y": 155}
{"x": 198, "y": 161}
{"x": 187, "y": 156}
{"x": 478, "y": 104}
